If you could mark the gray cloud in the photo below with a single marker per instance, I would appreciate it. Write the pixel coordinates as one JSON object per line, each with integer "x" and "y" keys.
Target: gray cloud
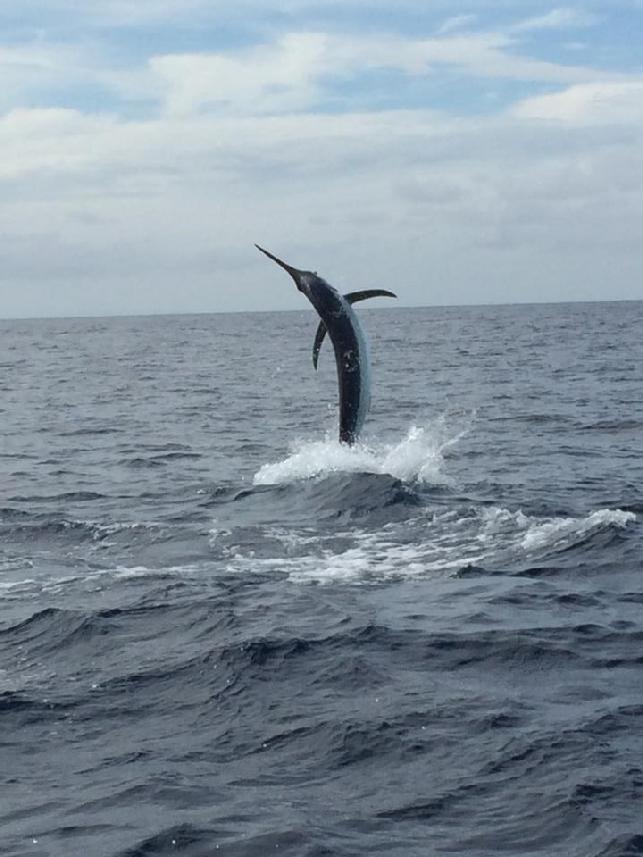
{"x": 161, "y": 215}
{"x": 104, "y": 213}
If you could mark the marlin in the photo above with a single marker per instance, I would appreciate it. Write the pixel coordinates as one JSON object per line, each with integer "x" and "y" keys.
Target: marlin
{"x": 338, "y": 319}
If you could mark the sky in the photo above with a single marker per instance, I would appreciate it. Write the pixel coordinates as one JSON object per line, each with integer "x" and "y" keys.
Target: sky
{"x": 457, "y": 153}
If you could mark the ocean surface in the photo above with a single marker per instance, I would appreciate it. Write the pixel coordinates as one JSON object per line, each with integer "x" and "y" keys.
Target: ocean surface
{"x": 221, "y": 633}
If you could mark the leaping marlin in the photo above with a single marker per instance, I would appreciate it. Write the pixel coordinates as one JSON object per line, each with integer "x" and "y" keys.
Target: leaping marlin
{"x": 346, "y": 334}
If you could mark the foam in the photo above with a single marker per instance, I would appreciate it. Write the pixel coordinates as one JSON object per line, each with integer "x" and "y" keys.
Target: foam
{"x": 562, "y": 531}
{"x": 418, "y": 457}
{"x": 429, "y": 545}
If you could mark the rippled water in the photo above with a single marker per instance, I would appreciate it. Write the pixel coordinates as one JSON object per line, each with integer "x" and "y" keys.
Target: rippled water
{"x": 221, "y": 632}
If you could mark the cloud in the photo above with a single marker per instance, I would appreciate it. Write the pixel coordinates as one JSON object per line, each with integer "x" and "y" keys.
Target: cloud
{"x": 35, "y": 68}
{"x": 295, "y": 71}
{"x": 148, "y": 195}
{"x": 599, "y": 103}
{"x": 299, "y": 70}
{"x": 280, "y": 77}
{"x": 491, "y": 55}
{"x": 457, "y": 22}
{"x": 558, "y": 19}
{"x": 161, "y": 213}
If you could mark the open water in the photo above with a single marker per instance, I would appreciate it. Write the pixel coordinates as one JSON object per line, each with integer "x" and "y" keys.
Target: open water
{"x": 221, "y": 633}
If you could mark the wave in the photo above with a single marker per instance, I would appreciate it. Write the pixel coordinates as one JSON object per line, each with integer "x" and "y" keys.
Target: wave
{"x": 44, "y": 526}
{"x": 443, "y": 542}
{"x": 464, "y": 541}
{"x": 67, "y": 497}
{"x": 418, "y": 457}
{"x": 557, "y": 533}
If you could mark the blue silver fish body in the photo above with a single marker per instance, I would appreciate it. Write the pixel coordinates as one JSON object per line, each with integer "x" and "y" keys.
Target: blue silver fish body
{"x": 351, "y": 353}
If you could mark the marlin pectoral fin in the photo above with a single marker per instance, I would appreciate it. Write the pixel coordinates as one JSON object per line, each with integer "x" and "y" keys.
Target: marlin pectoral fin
{"x": 319, "y": 338}
{"x": 353, "y": 297}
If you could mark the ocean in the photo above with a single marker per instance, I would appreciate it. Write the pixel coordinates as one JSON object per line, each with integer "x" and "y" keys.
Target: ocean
{"x": 222, "y": 633}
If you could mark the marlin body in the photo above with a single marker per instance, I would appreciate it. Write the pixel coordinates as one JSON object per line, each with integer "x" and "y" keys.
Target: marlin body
{"x": 338, "y": 319}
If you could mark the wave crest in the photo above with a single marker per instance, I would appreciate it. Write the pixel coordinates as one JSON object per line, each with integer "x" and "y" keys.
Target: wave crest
{"x": 448, "y": 542}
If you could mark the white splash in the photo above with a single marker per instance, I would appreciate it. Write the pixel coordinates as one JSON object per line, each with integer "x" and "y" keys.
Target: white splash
{"x": 417, "y": 457}
{"x": 430, "y": 544}
{"x": 557, "y": 532}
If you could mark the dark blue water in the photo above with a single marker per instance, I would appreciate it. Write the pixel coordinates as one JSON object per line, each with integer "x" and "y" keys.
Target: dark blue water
{"x": 222, "y": 633}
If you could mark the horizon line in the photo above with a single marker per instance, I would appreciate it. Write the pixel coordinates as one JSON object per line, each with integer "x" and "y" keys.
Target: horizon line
{"x": 396, "y": 308}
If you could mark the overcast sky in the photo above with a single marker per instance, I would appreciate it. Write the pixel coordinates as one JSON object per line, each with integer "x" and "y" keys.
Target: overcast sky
{"x": 473, "y": 152}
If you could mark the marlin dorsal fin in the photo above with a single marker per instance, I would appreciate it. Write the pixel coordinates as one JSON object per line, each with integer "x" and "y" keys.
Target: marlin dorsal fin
{"x": 352, "y": 298}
